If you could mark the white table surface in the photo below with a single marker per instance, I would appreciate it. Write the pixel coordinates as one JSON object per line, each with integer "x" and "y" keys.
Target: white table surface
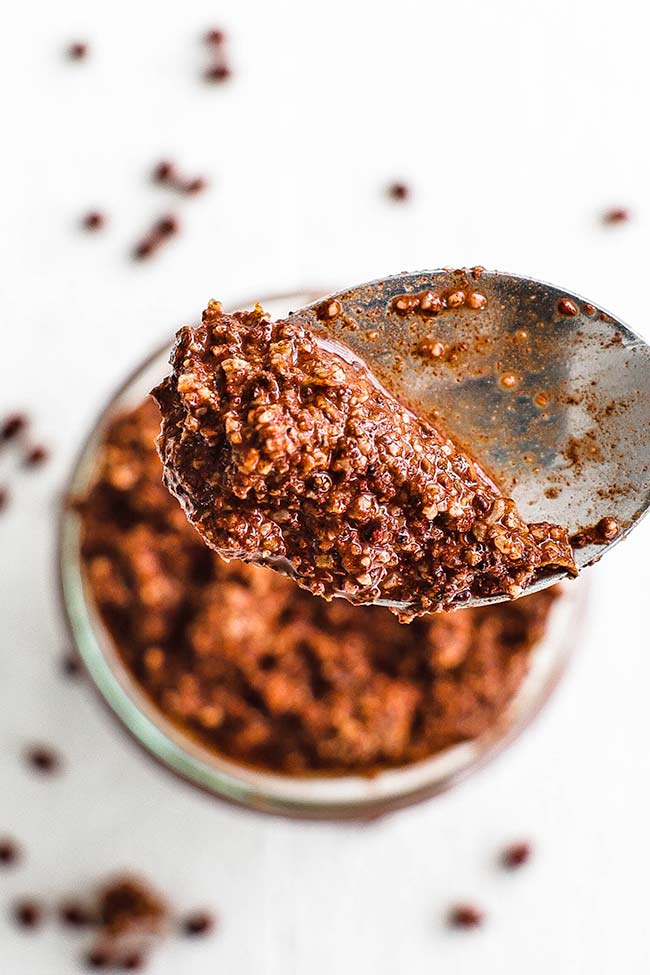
{"x": 516, "y": 125}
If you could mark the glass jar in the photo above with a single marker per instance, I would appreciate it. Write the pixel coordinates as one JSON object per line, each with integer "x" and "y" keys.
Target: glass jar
{"x": 310, "y": 797}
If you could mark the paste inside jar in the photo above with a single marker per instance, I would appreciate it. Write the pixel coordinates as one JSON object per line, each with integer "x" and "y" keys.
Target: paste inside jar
{"x": 261, "y": 671}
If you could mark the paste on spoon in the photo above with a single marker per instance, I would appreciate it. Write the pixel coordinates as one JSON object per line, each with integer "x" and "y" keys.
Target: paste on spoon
{"x": 285, "y": 454}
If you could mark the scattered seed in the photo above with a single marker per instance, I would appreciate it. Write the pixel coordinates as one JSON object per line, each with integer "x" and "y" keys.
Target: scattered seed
{"x": 398, "y": 191}
{"x": 10, "y": 852}
{"x": 78, "y": 51}
{"x": 130, "y": 903}
{"x": 166, "y": 226}
{"x": 133, "y": 962}
{"x": 214, "y": 37}
{"x": 516, "y": 855}
{"x": 199, "y": 923}
{"x": 43, "y": 759}
{"x": 28, "y": 914}
{"x": 74, "y": 914}
{"x": 164, "y": 172}
{"x": 465, "y": 916}
{"x": 194, "y": 186}
{"x": 219, "y": 70}
{"x": 94, "y": 220}
{"x": 128, "y": 918}
{"x": 36, "y": 456}
{"x": 98, "y": 958}
{"x": 616, "y": 215}
{"x": 218, "y": 73}
{"x": 12, "y": 426}
{"x": 144, "y": 248}
{"x": 71, "y": 665}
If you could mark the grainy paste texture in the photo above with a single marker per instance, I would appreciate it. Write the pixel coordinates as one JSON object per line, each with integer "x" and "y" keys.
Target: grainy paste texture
{"x": 260, "y": 670}
{"x": 283, "y": 453}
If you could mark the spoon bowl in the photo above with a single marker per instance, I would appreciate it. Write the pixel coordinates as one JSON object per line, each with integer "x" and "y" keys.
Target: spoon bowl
{"x": 549, "y": 392}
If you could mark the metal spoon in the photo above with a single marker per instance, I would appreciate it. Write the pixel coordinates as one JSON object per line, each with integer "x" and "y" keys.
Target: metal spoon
{"x": 550, "y": 393}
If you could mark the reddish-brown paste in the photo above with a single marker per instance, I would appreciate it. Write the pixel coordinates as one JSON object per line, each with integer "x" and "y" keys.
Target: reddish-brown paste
{"x": 283, "y": 453}
{"x": 262, "y": 671}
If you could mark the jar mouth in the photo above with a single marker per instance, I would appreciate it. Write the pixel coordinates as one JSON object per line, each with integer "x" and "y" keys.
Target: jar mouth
{"x": 317, "y": 795}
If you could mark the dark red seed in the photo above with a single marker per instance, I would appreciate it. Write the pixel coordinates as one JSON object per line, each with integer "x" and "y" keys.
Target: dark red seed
{"x": 167, "y": 226}
{"x": 164, "y": 171}
{"x": 12, "y": 426}
{"x": 134, "y": 962}
{"x": 43, "y": 759}
{"x": 75, "y": 915}
{"x": 71, "y": 665}
{"x": 94, "y": 220}
{"x": 465, "y": 916}
{"x": 215, "y": 37}
{"x": 10, "y": 852}
{"x": 144, "y": 248}
{"x": 616, "y": 215}
{"x": 4, "y": 498}
{"x": 77, "y": 51}
{"x": 98, "y": 958}
{"x": 199, "y": 923}
{"x": 398, "y": 191}
{"x": 28, "y": 914}
{"x": 567, "y": 307}
{"x": 195, "y": 185}
{"x": 516, "y": 855}
{"x": 36, "y": 456}
{"x": 218, "y": 72}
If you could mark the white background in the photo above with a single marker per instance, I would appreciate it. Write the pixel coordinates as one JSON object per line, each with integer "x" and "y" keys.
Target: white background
{"x": 516, "y": 124}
